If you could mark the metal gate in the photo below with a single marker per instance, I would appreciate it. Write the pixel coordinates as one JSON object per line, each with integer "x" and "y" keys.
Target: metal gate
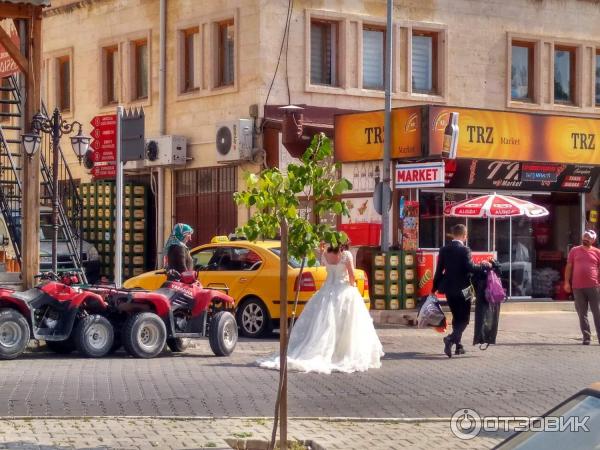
{"x": 204, "y": 200}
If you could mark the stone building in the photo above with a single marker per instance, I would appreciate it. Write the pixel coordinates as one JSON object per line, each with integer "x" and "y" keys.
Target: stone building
{"x": 221, "y": 57}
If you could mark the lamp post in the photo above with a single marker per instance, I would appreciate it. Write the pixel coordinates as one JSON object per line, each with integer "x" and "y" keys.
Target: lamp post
{"x": 56, "y": 127}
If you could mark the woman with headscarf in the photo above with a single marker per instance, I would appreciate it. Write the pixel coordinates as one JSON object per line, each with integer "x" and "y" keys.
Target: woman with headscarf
{"x": 177, "y": 254}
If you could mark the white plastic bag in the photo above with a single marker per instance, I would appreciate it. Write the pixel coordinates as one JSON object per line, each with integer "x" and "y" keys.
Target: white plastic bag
{"x": 430, "y": 314}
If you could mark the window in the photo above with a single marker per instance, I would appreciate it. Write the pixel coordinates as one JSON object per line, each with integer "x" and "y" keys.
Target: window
{"x": 324, "y": 53}
{"x": 140, "y": 54}
{"x": 598, "y": 78}
{"x": 373, "y": 57}
{"x": 564, "y": 75}
{"x": 424, "y": 62}
{"x": 521, "y": 71}
{"x": 63, "y": 83}
{"x": 226, "y": 64}
{"x": 191, "y": 42}
{"x": 226, "y": 259}
{"x": 111, "y": 75}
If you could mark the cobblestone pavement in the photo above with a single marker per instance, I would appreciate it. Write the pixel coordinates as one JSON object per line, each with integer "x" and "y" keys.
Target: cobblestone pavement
{"x": 136, "y": 433}
{"x": 538, "y": 362}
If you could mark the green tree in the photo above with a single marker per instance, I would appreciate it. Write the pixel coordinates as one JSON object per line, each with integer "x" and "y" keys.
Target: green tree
{"x": 275, "y": 199}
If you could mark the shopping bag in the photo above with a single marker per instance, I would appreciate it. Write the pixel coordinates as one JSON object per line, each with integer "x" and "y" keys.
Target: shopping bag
{"x": 494, "y": 292}
{"x": 431, "y": 314}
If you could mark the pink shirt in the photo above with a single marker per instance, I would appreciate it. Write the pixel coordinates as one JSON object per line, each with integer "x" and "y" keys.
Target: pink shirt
{"x": 585, "y": 267}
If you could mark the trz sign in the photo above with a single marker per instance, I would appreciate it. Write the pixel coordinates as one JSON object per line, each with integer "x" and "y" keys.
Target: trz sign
{"x": 420, "y": 175}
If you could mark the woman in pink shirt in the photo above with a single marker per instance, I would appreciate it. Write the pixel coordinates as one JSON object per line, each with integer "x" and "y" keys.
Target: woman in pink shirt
{"x": 581, "y": 277}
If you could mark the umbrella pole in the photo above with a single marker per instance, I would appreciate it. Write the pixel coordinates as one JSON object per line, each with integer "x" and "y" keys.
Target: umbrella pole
{"x": 494, "y": 236}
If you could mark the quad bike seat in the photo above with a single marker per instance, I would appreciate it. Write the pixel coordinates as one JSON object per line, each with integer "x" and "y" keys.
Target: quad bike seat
{"x": 29, "y": 295}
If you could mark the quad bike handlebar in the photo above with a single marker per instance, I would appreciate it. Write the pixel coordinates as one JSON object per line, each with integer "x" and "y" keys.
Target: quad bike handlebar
{"x": 67, "y": 278}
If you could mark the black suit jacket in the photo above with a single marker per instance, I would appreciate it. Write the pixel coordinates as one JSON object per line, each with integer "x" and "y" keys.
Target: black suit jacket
{"x": 454, "y": 269}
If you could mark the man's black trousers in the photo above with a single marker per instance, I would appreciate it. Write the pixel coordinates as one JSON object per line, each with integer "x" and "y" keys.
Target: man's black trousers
{"x": 461, "y": 311}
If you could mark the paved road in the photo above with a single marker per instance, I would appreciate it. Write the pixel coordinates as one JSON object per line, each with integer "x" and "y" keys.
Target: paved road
{"x": 539, "y": 361}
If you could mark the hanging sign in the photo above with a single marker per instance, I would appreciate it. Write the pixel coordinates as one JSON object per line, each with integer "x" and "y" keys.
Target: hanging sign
{"x": 420, "y": 175}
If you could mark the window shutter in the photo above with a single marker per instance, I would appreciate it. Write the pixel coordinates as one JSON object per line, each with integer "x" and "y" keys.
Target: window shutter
{"x": 373, "y": 59}
{"x": 323, "y": 43}
{"x": 422, "y": 53}
{"x": 316, "y": 54}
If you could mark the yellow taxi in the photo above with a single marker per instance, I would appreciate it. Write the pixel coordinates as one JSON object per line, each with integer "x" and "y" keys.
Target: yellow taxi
{"x": 250, "y": 272}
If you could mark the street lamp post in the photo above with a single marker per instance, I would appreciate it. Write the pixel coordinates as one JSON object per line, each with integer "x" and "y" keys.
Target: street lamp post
{"x": 56, "y": 127}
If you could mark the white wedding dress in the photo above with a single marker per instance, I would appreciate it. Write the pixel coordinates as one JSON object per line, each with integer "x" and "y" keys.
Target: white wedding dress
{"x": 335, "y": 332}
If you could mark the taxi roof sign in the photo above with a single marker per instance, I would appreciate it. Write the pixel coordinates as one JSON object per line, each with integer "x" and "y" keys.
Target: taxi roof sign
{"x": 217, "y": 239}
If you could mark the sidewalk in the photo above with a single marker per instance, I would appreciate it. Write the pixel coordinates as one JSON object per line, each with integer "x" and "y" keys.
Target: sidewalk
{"x": 194, "y": 433}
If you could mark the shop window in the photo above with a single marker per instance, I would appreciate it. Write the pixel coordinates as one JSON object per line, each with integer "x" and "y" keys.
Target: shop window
{"x": 564, "y": 74}
{"x": 431, "y": 220}
{"x": 226, "y": 60}
{"x": 522, "y": 71}
{"x": 190, "y": 58}
{"x": 598, "y": 78}
{"x": 324, "y": 53}
{"x": 111, "y": 75}
{"x": 63, "y": 83}
{"x": 373, "y": 58}
{"x": 424, "y": 62}
{"x": 140, "y": 70}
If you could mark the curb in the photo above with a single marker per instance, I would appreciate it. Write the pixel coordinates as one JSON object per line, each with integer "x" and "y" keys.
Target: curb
{"x": 408, "y": 317}
{"x": 215, "y": 418}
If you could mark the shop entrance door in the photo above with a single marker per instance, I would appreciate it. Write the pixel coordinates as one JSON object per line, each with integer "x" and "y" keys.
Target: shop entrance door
{"x": 514, "y": 246}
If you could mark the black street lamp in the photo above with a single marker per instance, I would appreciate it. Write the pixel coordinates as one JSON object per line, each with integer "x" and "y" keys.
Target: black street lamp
{"x": 56, "y": 127}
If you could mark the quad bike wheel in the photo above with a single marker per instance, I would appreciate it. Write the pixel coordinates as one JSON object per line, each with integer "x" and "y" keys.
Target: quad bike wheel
{"x": 144, "y": 335}
{"x": 223, "y": 333}
{"x": 94, "y": 336}
{"x": 14, "y": 333}
{"x": 62, "y": 347}
{"x": 178, "y": 345}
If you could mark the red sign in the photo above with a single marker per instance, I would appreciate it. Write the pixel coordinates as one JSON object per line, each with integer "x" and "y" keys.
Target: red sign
{"x": 7, "y": 64}
{"x": 105, "y": 156}
{"x": 104, "y": 171}
{"x": 104, "y": 144}
{"x": 420, "y": 175}
{"x": 108, "y": 120}
{"x": 104, "y": 133}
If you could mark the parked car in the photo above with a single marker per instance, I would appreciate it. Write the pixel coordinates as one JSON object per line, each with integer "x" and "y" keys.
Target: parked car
{"x": 249, "y": 271}
{"x": 89, "y": 255}
{"x": 582, "y": 409}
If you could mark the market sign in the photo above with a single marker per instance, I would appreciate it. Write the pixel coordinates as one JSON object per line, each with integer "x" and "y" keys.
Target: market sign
{"x": 511, "y": 136}
{"x": 359, "y": 136}
{"x": 499, "y": 174}
{"x": 420, "y": 175}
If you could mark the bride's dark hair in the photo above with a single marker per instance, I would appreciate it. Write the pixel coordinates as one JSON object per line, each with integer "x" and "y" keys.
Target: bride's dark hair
{"x": 332, "y": 249}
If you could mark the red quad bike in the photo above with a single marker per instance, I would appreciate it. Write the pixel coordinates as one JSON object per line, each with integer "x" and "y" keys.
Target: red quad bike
{"x": 66, "y": 317}
{"x": 181, "y": 309}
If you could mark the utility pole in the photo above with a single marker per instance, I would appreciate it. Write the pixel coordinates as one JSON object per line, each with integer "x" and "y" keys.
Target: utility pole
{"x": 387, "y": 140}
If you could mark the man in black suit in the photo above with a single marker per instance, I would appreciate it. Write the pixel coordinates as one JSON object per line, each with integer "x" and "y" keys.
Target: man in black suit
{"x": 452, "y": 277}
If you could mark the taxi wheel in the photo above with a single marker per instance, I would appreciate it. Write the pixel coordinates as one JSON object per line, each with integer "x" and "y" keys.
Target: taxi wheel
{"x": 253, "y": 318}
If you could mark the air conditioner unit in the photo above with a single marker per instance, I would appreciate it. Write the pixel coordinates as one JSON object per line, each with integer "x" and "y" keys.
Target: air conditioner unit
{"x": 166, "y": 151}
{"x": 234, "y": 141}
{"x": 134, "y": 165}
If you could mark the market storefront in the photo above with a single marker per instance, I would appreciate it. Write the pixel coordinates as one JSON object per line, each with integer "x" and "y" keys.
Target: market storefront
{"x": 551, "y": 161}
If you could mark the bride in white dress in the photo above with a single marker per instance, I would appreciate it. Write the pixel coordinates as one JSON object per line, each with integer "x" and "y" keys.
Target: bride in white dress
{"x": 335, "y": 332}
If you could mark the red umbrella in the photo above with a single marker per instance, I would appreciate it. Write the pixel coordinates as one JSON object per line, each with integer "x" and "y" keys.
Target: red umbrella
{"x": 495, "y": 206}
